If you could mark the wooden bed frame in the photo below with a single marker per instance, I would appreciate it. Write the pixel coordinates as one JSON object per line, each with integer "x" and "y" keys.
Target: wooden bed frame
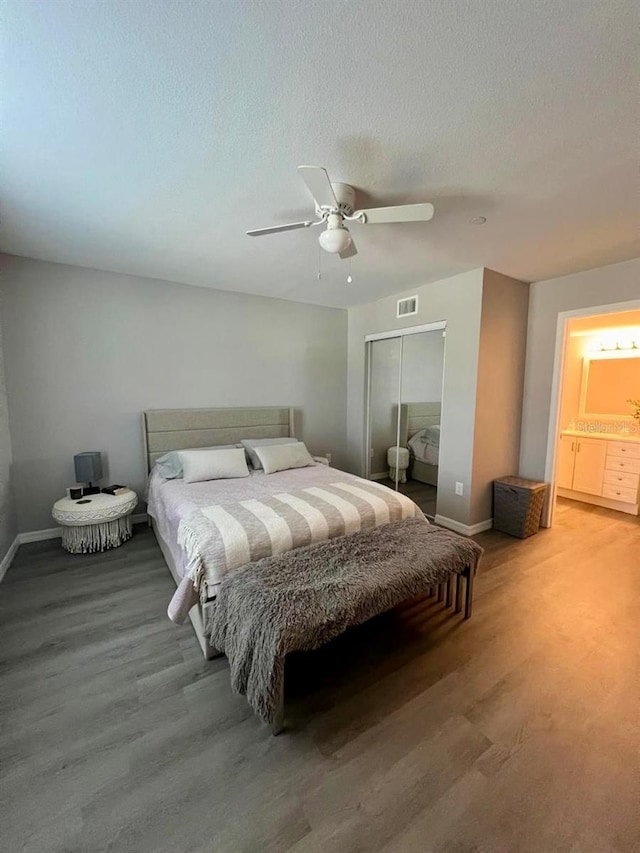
{"x": 179, "y": 429}
{"x": 413, "y": 418}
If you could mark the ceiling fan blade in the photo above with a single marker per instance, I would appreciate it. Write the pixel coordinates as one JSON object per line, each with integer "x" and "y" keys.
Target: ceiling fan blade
{"x": 399, "y": 213}
{"x": 350, "y": 252}
{"x": 318, "y": 183}
{"x": 274, "y": 229}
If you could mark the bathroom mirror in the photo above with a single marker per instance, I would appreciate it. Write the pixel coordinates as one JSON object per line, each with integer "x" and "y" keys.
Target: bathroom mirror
{"x": 608, "y": 381}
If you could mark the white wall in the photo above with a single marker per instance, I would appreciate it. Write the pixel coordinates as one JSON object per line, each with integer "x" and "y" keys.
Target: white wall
{"x": 87, "y": 351}
{"x": 8, "y": 527}
{"x": 501, "y": 363}
{"x": 458, "y": 301}
{"x": 486, "y": 317}
{"x": 616, "y": 283}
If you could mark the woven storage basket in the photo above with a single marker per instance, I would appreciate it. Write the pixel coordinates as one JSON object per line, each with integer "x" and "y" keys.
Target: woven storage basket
{"x": 517, "y": 506}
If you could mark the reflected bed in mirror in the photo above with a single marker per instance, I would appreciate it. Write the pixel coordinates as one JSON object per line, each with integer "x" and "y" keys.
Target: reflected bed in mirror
{"x": 609, "y": 380}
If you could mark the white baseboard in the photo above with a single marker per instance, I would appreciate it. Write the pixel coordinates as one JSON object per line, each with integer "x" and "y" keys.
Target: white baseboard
{"x": 43, "y": 535}
{"x": 40, "y": 535}
{"x": 465, "y": 529}
{"x": 8, "y": 557}
{"x": 607, "y": 503}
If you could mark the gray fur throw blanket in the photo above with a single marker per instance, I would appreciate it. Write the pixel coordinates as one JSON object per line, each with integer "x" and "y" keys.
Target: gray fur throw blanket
{"x": 301, "y": 599}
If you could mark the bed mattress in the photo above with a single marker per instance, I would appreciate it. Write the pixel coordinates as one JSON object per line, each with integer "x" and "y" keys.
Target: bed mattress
{"x": 170, "y": 502}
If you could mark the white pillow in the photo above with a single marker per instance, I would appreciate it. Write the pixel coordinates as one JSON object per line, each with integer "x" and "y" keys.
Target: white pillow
{"x": 250, "y": 445}
{"x": 200, "y": 465}
{"x": 170, "y": 467}
{"x": 281, "y": 457}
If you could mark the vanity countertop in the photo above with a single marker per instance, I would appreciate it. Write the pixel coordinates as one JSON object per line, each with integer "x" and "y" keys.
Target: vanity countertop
{"x": 633, "y": 437}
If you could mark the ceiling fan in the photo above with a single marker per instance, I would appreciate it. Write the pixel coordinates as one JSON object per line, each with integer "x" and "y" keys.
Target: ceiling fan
{"x": 335, "y": 204}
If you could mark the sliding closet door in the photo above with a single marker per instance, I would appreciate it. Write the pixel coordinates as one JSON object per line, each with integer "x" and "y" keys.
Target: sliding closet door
{"x": 423, "y": 369}
{"x": 405, "y": 382}
{"x": 421, "y": 404}
{"x": 384, "y": 392}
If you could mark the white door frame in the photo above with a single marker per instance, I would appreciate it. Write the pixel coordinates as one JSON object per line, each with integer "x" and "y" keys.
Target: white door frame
{"x": 553, "y": 434}
{"x": 409, "y": 330}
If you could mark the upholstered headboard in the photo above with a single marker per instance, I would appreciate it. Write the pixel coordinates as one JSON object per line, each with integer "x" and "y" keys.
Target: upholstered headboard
{"x": 417, "y": 416}
{"x": 178, "y": 429}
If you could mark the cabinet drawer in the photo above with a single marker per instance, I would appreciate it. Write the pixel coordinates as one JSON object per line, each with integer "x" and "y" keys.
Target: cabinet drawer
{"x": 622, "y": 478}
{"x": 621, "y": 448}
{"x": 619, "y": 493}
{"x": 622, "y": 463}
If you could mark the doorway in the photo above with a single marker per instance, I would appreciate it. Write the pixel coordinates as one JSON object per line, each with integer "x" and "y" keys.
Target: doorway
{"x": 405, "y": 375}
{"x": 596, "y": 445}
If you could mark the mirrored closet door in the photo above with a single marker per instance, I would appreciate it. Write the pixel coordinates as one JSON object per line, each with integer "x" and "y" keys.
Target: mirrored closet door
{"x": 405, "y": 384}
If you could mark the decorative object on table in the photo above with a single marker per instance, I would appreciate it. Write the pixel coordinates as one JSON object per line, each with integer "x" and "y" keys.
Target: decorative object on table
{"x": 517, "y": 506}
{"x": 398, "y": 458}
{"x": 636, "y": 406}
{"x": 74, "y": 493}
{"x": 88, "y": 466}
{"x": 96, "y": 523}
{"x": 115, "y": 490}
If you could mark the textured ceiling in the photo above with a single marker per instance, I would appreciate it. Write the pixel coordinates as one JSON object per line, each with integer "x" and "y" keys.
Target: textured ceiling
{"x": 146, "y": 136}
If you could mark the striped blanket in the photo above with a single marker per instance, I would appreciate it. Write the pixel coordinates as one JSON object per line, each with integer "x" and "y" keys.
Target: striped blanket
{"x": 218, "y": 539}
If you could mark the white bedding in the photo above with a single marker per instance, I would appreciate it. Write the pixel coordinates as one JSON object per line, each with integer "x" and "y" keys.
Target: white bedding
{"x": 425, "y": 445}
{"x": 172, "y": 501}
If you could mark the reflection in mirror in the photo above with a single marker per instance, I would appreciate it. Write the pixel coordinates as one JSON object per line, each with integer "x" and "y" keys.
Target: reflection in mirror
{"x": 384, "y": 385}
{"x": 608, "y": 384}
{"x": 421, "y": 404}
{"x": 405, "y": 399}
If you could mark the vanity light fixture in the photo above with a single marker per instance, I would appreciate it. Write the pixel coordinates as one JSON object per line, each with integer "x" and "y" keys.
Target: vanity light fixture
{"x": 618, "y": 345}
{"x": 617, "y": 342}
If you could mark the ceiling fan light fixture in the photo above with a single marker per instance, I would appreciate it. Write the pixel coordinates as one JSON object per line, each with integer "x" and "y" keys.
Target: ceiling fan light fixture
{"x": 335, "y": 240}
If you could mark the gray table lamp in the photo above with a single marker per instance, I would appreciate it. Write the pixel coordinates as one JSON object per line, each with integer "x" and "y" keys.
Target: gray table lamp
{"x": 88, "y": 467}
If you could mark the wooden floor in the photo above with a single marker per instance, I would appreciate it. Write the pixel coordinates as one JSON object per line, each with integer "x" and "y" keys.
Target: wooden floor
{"x": 423, "y": 494}
{"x": 515, "y": 732}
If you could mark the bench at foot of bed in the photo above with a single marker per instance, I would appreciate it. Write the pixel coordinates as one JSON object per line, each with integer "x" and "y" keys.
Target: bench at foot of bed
{"x": 456, "y": 591}
{"x": 299, "y": 600}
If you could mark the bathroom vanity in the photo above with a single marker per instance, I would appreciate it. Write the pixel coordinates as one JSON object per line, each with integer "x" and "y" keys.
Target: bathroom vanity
{"x": 601, "y": 469}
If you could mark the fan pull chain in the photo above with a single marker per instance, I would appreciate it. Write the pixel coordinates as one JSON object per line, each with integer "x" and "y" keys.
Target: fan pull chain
{"x": 349, "y": 277}
{"x": 319, "y": 262}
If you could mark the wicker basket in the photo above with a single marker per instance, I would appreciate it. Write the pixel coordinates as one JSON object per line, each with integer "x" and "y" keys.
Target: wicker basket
{"x": 517, "y": 506}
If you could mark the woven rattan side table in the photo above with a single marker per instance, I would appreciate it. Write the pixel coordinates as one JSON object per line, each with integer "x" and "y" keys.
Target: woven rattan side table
{"x": 103, "y": 522}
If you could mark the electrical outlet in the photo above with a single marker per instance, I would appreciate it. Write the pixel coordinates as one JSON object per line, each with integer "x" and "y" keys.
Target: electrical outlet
{"x": 372, "y": 453}
{"x": 459, "y": 489}
{"x": 328, "y": 455}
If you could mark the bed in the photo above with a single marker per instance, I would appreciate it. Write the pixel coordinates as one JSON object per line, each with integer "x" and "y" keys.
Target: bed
{"x": 306, "y": 552}
{"x": 420, "y": 432}
{"x": 177, "y": 429}
{"x": 172, "y": 503}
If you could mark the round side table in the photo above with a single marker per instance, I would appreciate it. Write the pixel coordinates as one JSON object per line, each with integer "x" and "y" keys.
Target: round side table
{"x": 398, "y": 456}
{"x": 102, "y": 523}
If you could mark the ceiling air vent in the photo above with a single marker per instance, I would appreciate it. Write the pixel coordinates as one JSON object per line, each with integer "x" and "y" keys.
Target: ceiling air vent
{"x": 407, "y": 307}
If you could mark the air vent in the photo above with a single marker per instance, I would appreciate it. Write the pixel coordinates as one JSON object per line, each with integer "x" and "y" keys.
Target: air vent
{"x": 407, "y": 307}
